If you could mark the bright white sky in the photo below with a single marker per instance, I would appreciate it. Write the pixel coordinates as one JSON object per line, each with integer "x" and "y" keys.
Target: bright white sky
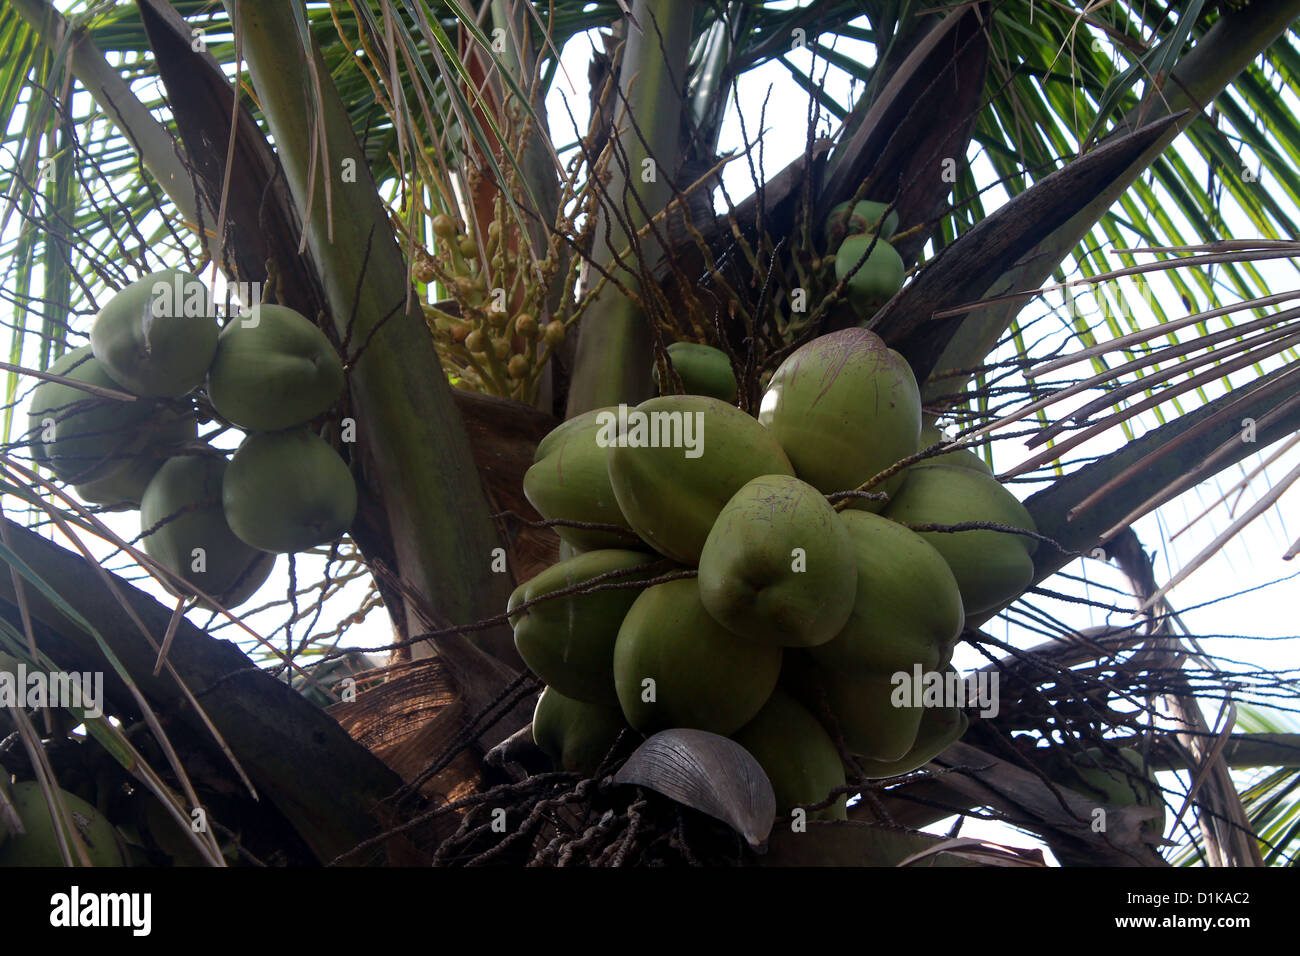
{"x": 1253, "y": 558}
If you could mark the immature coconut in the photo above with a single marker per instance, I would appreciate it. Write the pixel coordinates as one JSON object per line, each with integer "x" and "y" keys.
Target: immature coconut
{"x": 158, "y": 335}
{"x": 844, "y": 407}
{"x": 569, "y": 481}
{"x": 991, "y": 567}
{"x": 557, "y": 436}
{"x": 675, "y": 666}
{"x": 678, "y": 460}
{"x": 907, "y": 612}
{"x": 907, "y": 605}
{"x": 864, "y": 216}
{"x": 1119, "y": 780}
{"x": 879, "y": 277}
{"x": 569, "y": 641}
{"x": 274, "y": 370}
{"x": 865, "y": 714}
{"x": 576, "y": 735}
{"x": 158, "y": 439}
{"x": 703, "y": 370}
{"x": 81, "y": 435}
{"x": 38, "y": 845}
{"x": 165, "y": 832}
{"x": 797, "y": 755}
{"x": 940, "y": 728}
{"x": 778, "y": 566}
{"x": 52, "y": 401}
{"x": 122, "y": 488}
{"x": 188, "y": 533}
{"x": 288, "y": 491}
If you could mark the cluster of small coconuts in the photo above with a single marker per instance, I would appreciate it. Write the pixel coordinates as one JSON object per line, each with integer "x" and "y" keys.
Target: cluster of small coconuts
{"x": 157, "y": 360}
{"x": 799, "y": 613}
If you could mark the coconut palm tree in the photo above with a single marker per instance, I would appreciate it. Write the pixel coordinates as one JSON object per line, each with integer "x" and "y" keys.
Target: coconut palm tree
{"x": 487, "y": 268}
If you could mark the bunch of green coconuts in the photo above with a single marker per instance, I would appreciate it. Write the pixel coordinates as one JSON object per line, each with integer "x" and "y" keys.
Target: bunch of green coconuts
{"x": 800, "y": 612}
{"x": 157, "y": 360}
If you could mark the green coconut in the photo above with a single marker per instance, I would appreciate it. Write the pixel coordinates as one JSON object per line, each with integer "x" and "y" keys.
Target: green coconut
{"x": 675, "y": 666}
{"x": 907, "y": 612}
{"x": 844, "y": 407}
{"x": 848, "y": 217}
{"x": 166, "y": 834}
{"x": 558, "y": 435}
{"x": 991, "y": 567}
{"x": 704, "y": 370}
{"x": 288, "y": 491}
{"x": 51, "y": 401}
{"x": 87, "y": 433}
{"x": 678, "y": 460}
{"x": 158, "y": 335}
{"x": 798, "y": 756}
{"x": 38, "y": 845}
{"x": 939, "y": 729}
{"x": 122, "y": 488}
{"x": 1116, "y": 780}
{"x": 195, "y": 541}
{"x": 158, "y": 439}
{"x": 862, "y": 708}
{"x": 778, "y": 566}
{"x": 569, "y": 641}
{"x": 866, "y": 218}
{"x": 880, "y": 276}
{"x": 576, "y": 735}
{"x": 907, "y": 606}
{"x": 274, "y": 370}
{"x": 931, "y": 435}
{"x": 569, "y": 481}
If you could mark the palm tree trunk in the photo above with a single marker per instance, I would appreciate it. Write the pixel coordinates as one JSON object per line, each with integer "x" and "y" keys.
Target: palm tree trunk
{"x": 416, "y": 458}
{"x": 613, "y": 358}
